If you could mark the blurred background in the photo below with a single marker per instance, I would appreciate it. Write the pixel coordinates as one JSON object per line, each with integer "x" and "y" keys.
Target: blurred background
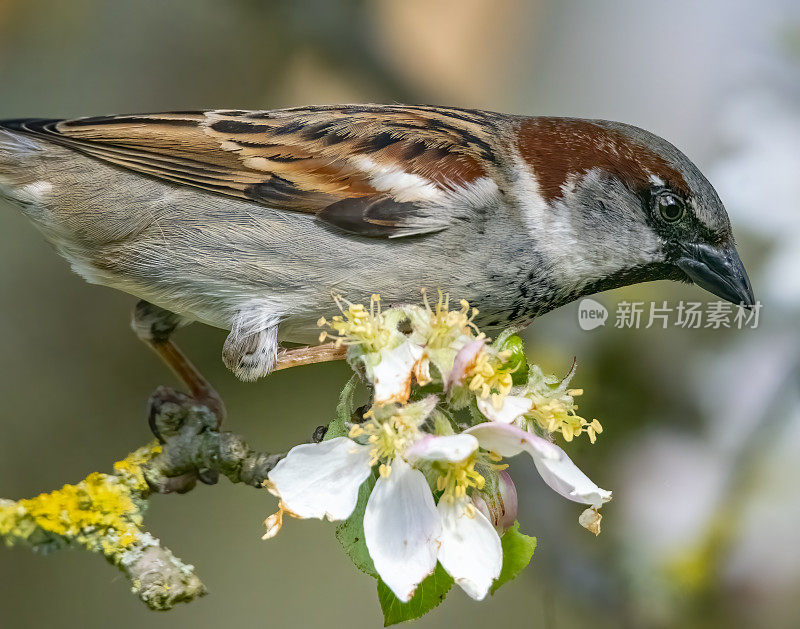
{"x": 702, "y": 425}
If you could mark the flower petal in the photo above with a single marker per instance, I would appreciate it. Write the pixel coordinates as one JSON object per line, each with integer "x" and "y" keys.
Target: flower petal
{"x": 565, "y": 477}
{"x": 451, "y": 448}
{"x": 391, "y": 376}
{"x": 552, "y": 463}
{"x": 401, "y": 529}
{"x": 513, "y": 407}
{"x": 422, "y": 370}
{"x": 317, "y": 480}
{"x": 590, "y": 520}
{"x": 500, "y": 505}
{"x": 507, "y": 440}
{"x": 462, "y": 362}
{"x": 471, "y": 551}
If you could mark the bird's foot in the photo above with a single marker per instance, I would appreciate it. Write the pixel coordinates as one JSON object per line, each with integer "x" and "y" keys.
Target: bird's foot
{"x": 199, "y": 388}
{"x": 178, "y": 420}
{"x": 155, "y": 326}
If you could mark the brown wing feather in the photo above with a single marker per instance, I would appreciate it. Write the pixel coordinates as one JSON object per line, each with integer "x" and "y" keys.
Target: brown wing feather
{"x": 303, "y": 159}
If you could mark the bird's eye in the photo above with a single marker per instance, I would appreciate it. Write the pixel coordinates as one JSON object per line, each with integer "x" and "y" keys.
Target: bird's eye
{"x": 670, "y": 207}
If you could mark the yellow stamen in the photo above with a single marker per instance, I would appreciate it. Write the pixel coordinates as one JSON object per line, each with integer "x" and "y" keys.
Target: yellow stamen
{"x": 456, "y": 479}
{"x": 357, "y": 325}
{"x": 490, "y": 376}
{"x": 554, "y": 410}
{"x": 389, "y": 436}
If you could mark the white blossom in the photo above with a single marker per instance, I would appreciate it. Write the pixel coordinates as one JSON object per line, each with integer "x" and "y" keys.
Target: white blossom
{"x": 404, "y": 530}
{"x": 552, "y": 463}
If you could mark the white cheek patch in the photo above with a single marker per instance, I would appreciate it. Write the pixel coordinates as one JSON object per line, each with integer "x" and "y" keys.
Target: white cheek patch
{"x": 555, "y": 237}
{"x": 525, "y": 190}
{"x": 575, "y": 254}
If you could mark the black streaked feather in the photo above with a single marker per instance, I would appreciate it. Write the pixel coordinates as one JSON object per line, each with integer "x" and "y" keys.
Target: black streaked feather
{"x": 237, "y": 126}
{"x": 381, "y": 217}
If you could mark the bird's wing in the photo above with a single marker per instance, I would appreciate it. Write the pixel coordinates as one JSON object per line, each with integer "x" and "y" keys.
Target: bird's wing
{"x": 369, "y": 169}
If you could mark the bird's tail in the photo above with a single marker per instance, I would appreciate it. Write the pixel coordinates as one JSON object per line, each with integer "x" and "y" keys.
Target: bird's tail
{"x": 21, "y": 159}
{"x": 19, "y": 136}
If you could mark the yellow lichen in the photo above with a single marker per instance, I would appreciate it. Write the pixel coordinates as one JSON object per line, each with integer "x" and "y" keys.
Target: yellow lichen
{"x": 103, "y": 512}
{"x": 131, "y": 468}
{"x": 94, "y": 508}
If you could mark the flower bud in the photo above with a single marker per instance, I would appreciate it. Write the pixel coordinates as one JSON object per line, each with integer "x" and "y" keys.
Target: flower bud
{"x": 498, "y": 504}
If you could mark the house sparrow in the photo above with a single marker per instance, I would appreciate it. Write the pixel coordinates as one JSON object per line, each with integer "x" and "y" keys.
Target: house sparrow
{"x": 248, "y": 220}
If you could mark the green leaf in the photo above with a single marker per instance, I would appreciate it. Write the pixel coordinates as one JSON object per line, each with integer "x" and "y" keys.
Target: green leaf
{"x": 429, "y": 594}
{"x": 350, "y": 533}
{"x": 344, "y": 411}
{"x": 517, "y": 361}
{"x": 517, "y": 553}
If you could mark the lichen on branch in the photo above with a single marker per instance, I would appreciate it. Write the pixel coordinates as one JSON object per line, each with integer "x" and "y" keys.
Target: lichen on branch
{"x": 104, "y": 513}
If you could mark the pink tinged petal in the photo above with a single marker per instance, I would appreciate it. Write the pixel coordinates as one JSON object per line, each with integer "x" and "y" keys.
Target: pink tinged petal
{"x": 463, "y": 361}
{"x": 317, "y": 480}
{"x": 478, "y": 501}
{"x": 565, "y": 477}
{"x": 391, "y": 377}
{"x": 499, "y": 506}
{"x": 401, "y": 529}
{"x": 514, "y": 406}
{"x": 508, "y": 497}
{"x": 552, "y": 463}
{"x": 471, "y": 551}
{"x": 451, "y": 448}
{"x": 507, "y": 440}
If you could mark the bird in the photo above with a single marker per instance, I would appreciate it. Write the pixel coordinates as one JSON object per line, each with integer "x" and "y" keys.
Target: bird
{"x": 250, "y": 220}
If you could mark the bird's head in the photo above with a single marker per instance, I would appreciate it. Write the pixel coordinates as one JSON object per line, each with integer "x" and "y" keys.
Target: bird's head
{"x": 611, "y": 204}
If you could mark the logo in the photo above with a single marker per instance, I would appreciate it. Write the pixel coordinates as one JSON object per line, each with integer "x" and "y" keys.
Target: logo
{"x": 636, "y": 315}
{"x": 591, "y": 314}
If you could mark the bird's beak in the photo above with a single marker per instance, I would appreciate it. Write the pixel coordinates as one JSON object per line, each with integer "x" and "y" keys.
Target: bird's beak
{"x": 719, "y": 271}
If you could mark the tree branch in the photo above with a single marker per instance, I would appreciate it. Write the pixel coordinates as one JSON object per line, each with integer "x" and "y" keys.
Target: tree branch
{"x": 104, "y": 512}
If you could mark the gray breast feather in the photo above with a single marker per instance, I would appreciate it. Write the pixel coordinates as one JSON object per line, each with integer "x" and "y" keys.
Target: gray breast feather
{"x": 206, "y": 257}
